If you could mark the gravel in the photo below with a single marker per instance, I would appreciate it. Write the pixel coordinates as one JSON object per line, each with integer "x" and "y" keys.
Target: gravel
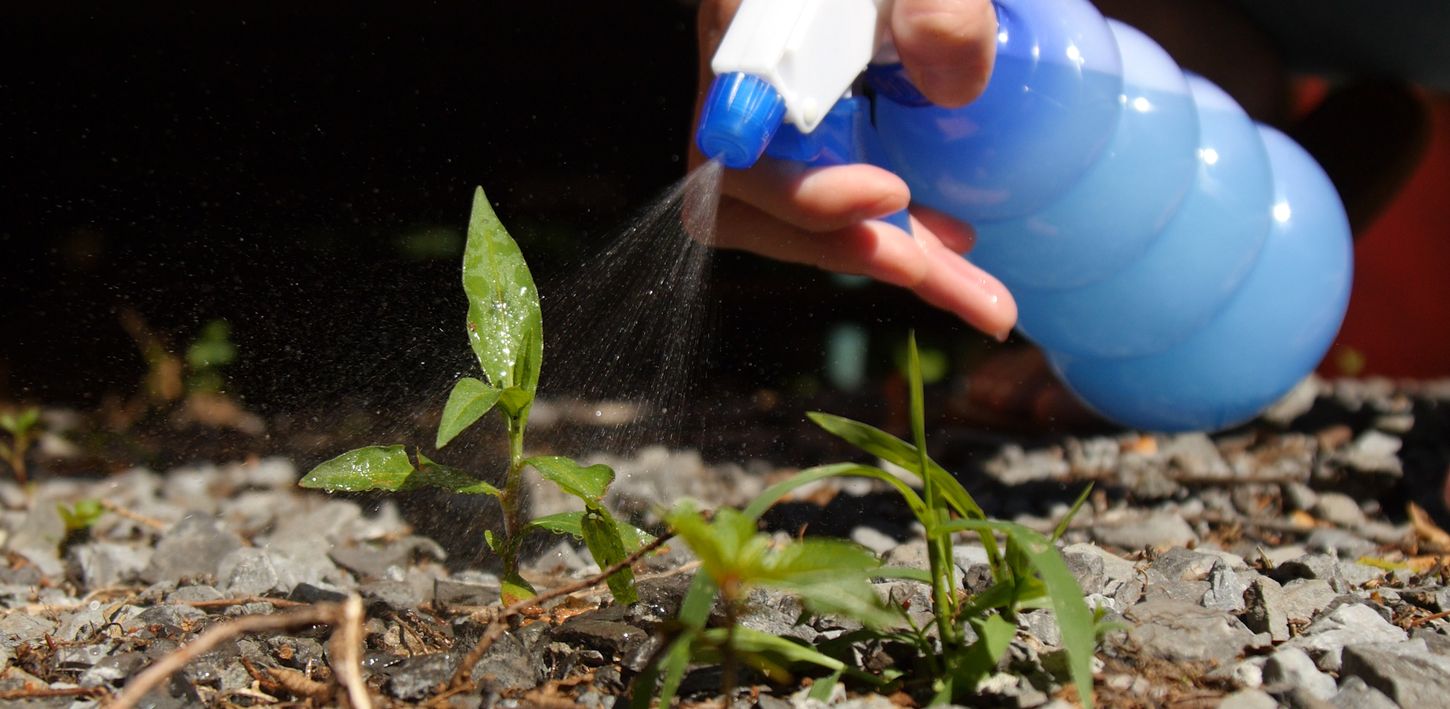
{"x": 1261, "y": 567}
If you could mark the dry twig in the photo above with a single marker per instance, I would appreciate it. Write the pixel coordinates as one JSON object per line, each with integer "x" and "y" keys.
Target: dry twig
{"x": 346, "y": 645}
{"x": 48, "y": 693}
{"x": 136, "y": 517}
{"x": 346, "y": 617}
{"x": 463, "y": 675}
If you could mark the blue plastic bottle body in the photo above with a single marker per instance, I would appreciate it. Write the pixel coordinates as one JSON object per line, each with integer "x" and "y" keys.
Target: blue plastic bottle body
{"x": 1111, "y": 215}
{"x": 1049, "y": 109}
{"x": 1276, "y": 328}
{"x": 1190, "y": 269}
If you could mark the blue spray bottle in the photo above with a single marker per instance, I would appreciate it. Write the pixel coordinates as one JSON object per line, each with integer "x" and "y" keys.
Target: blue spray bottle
{"x": 1181, "y": 266}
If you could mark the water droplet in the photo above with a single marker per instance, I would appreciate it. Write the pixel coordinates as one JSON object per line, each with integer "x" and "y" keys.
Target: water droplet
{"x": 598, "y": 413}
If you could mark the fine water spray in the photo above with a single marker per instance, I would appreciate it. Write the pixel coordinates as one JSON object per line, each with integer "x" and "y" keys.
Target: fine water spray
{"x": 1182, "y": 266}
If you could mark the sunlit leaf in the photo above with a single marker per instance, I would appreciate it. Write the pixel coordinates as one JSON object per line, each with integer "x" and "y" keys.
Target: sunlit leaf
{"x": 994, "y": 634}
{"x": 1071, "y": 512}
{"x": 467, "y": 403}
{"x": 694, "y": 614}
{"x": 587, "y": 483}
{"x": 369, "y": 468}
{"x": 503, "y": 304}
{"x": 751, "y": 641}
{"x": 81, "y": 515}
{"x": 813, "y": 560}
{"x": 572, "y": 524}
{"x": 601, "y": 536}
{"x": 515, "y": 401}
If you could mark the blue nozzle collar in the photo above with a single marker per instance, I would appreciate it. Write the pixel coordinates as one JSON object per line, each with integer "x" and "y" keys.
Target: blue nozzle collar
{"x": 740, "y": 116}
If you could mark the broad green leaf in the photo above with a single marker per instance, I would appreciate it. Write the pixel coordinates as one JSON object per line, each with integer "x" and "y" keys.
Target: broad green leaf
{"x": 765, "y": 500}
{"x": 814, "y": 560}
{"x": 515, "y": 402}
{"x": 513, "y": 588}
{"x": 601, "y": 536}
{"x": 572, "y": 524}
{"x": 467, "y": 403}
{"x": 1074, "y": 618}
{"x": 526, "y": 373}
{"x": 503, "y": 304}
{"x": 370, "y": 468}
{"x": 80, "y": 516}
{"x": 586, "y": 483}
{"x": 822, "y": 688}
{"x": 994, "y": 634}
{"x": 727, "y": 546}
{"x": 850, "y": 597}
{"x": 431, "y": 474}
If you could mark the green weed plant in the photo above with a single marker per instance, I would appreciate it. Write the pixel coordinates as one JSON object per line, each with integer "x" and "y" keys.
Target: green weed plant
{"x": 505, "y": 330}
{"x": 833, "y": 577}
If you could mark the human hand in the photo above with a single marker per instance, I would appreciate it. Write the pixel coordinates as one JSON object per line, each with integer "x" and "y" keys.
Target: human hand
{"x": 827, "y": 217}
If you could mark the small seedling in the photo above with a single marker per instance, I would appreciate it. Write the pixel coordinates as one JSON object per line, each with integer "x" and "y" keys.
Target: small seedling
{"x": 207, "y": 355}
{"x": 1029, "y": 572}
{"x": 21, "y": 425}
{"x": 505, "y": 330}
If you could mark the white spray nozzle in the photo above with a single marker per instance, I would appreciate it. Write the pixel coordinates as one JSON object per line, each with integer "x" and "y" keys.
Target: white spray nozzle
{"x": 810, "y": 51}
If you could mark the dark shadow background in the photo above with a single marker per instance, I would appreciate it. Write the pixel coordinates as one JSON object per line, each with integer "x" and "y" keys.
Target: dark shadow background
{"x": 291, "y": 169}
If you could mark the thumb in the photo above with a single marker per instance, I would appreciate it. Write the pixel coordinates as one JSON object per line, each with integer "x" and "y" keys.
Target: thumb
{"x": 947, "y": 46}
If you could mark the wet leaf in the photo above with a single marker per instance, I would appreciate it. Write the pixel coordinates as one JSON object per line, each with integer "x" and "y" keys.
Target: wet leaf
{"x": 601, "y": 536}
{"x": 503, "y": 304}
{"x": 467, "y": 403}
{"x": 431, "y": 474}
{"x": 572, "y": 524}
{"x": 586, "y": 483}
{"x": 369, "y": 468}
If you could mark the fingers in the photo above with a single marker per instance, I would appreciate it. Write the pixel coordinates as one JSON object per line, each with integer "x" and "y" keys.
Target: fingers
{"x": 947, "y": 46}
{"x": 955, "y": 235}
{"x": 822, "y": 199}
{"x": 936, "y": 273}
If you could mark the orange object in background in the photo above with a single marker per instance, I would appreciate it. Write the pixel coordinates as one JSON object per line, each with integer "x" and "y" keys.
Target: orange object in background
{"x": 1398, "y": 324}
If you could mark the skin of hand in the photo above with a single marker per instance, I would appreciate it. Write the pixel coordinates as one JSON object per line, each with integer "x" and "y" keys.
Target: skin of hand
{"x": 826, "y": 217}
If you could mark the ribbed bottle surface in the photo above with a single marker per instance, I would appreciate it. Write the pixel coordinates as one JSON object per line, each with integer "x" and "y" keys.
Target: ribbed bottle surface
{"x": 1181, "y": 266}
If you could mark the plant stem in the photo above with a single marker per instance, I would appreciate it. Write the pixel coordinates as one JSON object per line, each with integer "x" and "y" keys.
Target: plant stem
{"x": 939, "y": 546}
{"x": 727, "y": 653}
{"x": 510, "y": 499}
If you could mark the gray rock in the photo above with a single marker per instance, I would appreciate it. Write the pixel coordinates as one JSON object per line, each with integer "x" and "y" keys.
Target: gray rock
{"x": 249, "y": 571}
{"x": 1092, "y": 457}
{"x": 1436, "y": 641}
{"x": 1296, "y": 403}
{"x": 773, "y": 612}
{"x": 1344, "y": 544}
{"x": 179, "y": 618}
{"x": 81, "y": 625}
{"x": 1305, "y": 598}
{"x": 1196, "y": 456}
{"x": 376, "y": 560}
{"x": 415, "y": 678}
{"x": 1088, "y": 569}
{"x": 1014, "y": 466}
{"x": 1225, "y": 589}
{"x": 190, "y": 549}
{"x": 1143, "y": 531}
{"x": 103, "y": 564}
{"x": 191, "y": 594}
{"x": 1179, "y": 591}
{"x": 20, "y": 628}
{"x": 1115, "y": 568}
{"x": 1355, "y": 694}
{"x": 38, "y": 536}
{"x": 1339, "y": 509}
{"x": 1327, "y": 637}
{"x": 459, "y": 592}
{"x": 1042, "y": 624}
{"x": 1264, "y": 609}
{"x": 507, "y": 667}
{"x": 1248, "y": 699}
{"x": 1181, "y": 565}
{"x": 1292, "y": 667}
{"x": 112, "y": 670}
{"x": 1374, "y": 452}
{"x": 396, "y": 595}
{"x": 1407, "y": 673}
{"x": 610, "y": 638}
{"x": 873, "y": 539}
{"x": 1298, "y": 496}
{"x": 1178, "y": 631}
